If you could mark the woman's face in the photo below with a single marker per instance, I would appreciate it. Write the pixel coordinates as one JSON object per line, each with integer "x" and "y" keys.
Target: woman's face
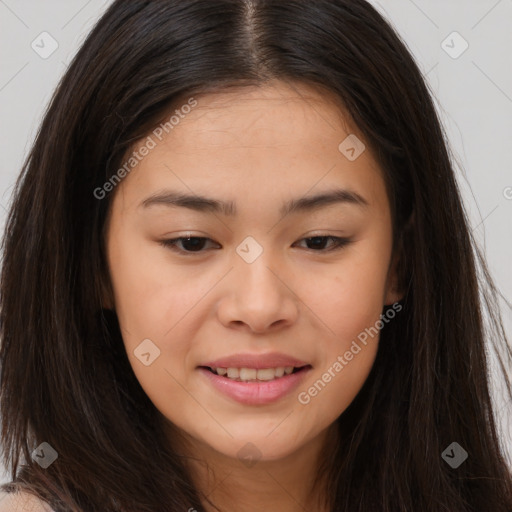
{"x": 276, "y": 184}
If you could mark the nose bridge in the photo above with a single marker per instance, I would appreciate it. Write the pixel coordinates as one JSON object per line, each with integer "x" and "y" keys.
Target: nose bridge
{"x": 259, "y": 298}
{"x": 254, "y": 270}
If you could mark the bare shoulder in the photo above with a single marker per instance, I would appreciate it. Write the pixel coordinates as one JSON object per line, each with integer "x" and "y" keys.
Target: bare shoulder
{"x": 22, "y": 502}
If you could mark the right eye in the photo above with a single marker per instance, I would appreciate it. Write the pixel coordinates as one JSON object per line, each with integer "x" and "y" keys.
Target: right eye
{"x": 191, "y": 244}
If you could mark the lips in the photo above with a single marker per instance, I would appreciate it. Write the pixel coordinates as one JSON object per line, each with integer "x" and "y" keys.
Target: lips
{"x": 247, "y": 379}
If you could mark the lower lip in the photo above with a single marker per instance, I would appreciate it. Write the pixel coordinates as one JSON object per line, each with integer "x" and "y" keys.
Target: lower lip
{"x": 256, "y": 393}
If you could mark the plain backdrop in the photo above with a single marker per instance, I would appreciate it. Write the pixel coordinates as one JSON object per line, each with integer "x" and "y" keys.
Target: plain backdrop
{"x": 462, "y": 46}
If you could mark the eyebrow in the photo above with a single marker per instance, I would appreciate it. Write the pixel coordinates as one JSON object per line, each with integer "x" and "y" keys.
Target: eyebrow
{"x": 228, "y": 208}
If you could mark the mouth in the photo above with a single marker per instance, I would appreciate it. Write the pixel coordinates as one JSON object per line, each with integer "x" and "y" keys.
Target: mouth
{"x": 255, "y": 386}
{"x": 255, "y": 374}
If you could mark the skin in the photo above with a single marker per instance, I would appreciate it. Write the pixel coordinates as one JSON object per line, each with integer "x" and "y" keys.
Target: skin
{"x": 258, "y": 147}
{"x": 22, "y": 502}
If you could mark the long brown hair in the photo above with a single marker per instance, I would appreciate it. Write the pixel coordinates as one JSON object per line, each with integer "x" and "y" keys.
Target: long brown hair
{"x": 65, "y": 376}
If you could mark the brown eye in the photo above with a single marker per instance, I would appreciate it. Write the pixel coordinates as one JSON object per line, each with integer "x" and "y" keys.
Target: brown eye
{"x": 196, "y": 244}
{"x": 317, "y": 243}
{"x": 193, "y": 244}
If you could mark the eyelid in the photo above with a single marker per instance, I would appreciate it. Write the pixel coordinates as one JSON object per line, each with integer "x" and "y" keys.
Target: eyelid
{"x": 339, "y": 243}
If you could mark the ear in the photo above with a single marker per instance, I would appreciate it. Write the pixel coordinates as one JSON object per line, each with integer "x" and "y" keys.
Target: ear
{"x": 398, "y": 268}
{"x": 105, "y": 284}
{"x": 394, "y": 292}
{"x": 107, "y": 294}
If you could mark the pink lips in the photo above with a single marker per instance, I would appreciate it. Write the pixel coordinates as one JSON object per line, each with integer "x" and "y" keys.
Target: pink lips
{"x": 255, "y": 393}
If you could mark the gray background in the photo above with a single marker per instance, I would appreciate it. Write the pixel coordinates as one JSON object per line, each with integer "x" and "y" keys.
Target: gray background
{"x": 473, "y": 91}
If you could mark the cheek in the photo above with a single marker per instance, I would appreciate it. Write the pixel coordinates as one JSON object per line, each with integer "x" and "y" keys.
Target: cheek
{"x": 153, "y": 302}
{"x": 346, "y": 356}
{"x": 153, "y": 306}
{"x": 349, "y": 296}
{"x": 334, "y": 386}
{"x": 349, "y": 302}
{"x": 150, "y": 296}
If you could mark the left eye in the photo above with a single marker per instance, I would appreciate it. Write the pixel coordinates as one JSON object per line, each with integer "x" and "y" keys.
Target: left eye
{"x": 318, "y": 242}
{"x": 195, "y": 244}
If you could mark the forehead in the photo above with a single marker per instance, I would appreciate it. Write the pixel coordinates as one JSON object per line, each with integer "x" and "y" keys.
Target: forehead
{"x": 269, "y": 116}
{"x": 263, "y": 141}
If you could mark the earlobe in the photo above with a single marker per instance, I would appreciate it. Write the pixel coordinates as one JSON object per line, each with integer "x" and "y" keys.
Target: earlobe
{"x": 107, "y": 303}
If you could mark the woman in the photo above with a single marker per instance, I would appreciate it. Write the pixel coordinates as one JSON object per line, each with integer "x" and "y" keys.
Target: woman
{"x": 238, "y": 275}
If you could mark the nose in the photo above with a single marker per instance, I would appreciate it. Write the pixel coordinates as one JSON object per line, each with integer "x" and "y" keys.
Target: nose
{"x": 258, "y": 296}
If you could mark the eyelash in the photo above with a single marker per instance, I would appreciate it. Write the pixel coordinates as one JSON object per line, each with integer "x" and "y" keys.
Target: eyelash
{"x": 339, "y": 243}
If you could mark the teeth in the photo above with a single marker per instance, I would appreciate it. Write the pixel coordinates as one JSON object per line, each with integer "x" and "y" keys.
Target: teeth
{"x": 233, "y": 373}
{"x": 267, "y": 374}
{"x": 247, "y": 374}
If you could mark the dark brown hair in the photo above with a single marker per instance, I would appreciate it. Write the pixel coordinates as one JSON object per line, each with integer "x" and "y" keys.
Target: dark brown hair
{"x": 65, "y": 376}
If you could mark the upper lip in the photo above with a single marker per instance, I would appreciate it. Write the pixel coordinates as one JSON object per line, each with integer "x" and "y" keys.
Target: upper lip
{"x": 258, "y": 361}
